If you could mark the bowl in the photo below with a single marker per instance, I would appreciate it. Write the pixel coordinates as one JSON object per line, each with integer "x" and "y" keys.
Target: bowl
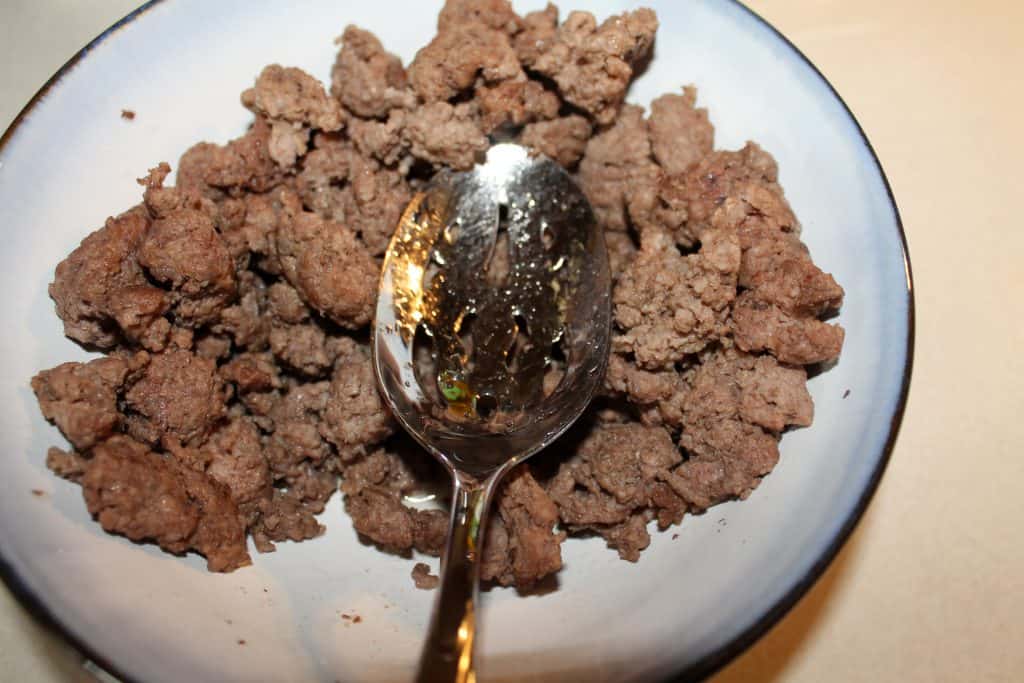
{"x": 702, "y": 591}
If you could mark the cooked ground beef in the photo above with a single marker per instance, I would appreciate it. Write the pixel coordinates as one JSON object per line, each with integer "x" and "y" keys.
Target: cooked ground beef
{"x": 422, "y": 577}
{"x": 144, "y": 495}
{"x": 81, "y": 399}
{"x": 237, "y": 393}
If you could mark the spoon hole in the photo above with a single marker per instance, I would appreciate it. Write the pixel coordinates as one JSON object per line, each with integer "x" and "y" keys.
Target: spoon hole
{"x": 547, "y": 238}
{"x": 553, "y": 377}
{"x": 451, "y": 232}
{"x": 425, "y": 363}
{"x": 557, "y": 365}
{"x": 557, "y": 353}
{"x": 503, "y": 217}
{"x": 431, "y": 270}
{"x": 465, "y": 334}
{"x": 520, "y": 342}
{"x": 498, "y": 266}
{"x": 486, "y": 404}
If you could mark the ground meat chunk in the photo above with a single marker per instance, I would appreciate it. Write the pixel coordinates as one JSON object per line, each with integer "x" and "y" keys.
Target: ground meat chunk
{"x": 616, "y": 472}
{"x": 422, "y": 577}
{"x": 136, "y": 492}
{"x": 178, "y": 395}
{"x": 256, "y": 233}
{"x": 290, "y": 515}
{"x": 563, "y": 139}
{"x": 213, "y": 346}
{"x": 618, "y": 173}
{"x": 70, "y": 466}
{"x": 285, "y": 304}
{"x": 785, "y": 291}
{"x": 732, "y": 415}
{"x": 771, "y": 395}
{"x": 669, "y": 305}
{"x": 495, "y": 14}
{"x": 539, "y": 28}
{"x": 160, "y": 200}
{"x": 779, "y": 312}
{"x": 377, "y": 198}
{"x": 144, "y": 496}
{"x": 325, "y": 173}
{"x": 347, "y": 187}
{"x": 246, "y": 321}
{"x": 252, "y": 372}
{"x": 515, "y": 102}
{"x": 642, "y": 387}
{"x": 592, "y": 64}
{"x": 354, "y": 417}
{"x": 81, "y": 399}
{"x": 292, "y": 95}
{"x": 331, "y": 270}
{"x": 621, "y": 251}
{"x": 228, "y": 216}
{"x": 380, "y": 516}
{"x": 707, "y": 185}
{"x": 445, "y": 135}
{"x": 304, "y": 348}
{"x": 294, "y": 418}
{"x": 768, "y": 232}
{"x": 680, "y": 133}
{"x": 101, "y": 292}
{"x": 181, "y": 338}
{"x": 235, "y": 460}
{"x": 802, "y": 340}
{"x": 293, "y": 102}
{"x": 244, "y": 164}
{"x": 184, "y": 251}
{"x": 531, "y": 548}
{"x": 220, "y": 534}
{"x": 450, "y": 64}
{"x": 367, "y": 79}
{"x": 778, "y": 267}
{"x": 381, "y": 140}
{"x": 373, "y": 489}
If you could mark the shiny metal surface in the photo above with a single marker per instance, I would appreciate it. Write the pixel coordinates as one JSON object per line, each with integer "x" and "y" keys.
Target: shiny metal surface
{"x": 491, "y": 336}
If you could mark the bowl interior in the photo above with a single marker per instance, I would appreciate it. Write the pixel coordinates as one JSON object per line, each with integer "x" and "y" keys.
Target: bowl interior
{"x": 181, "y": 66}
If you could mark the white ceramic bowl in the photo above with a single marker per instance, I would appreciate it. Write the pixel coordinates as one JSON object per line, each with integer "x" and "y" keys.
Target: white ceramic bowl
{"x": 687, "y": 607}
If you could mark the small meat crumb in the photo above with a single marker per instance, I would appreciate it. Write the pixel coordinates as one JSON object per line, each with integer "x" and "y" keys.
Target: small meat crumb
{"x": 241, "y": 641}
{"x": 38, "y": 493}
{"x": 127, "y": 115}
{"x": 422, "y": 577}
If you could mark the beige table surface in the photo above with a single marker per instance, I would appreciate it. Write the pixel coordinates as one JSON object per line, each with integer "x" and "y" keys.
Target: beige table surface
{"x": 931, "y": 585}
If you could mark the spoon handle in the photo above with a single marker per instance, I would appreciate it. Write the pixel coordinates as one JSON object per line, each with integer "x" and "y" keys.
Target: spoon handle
{"x": 448, "y": 652}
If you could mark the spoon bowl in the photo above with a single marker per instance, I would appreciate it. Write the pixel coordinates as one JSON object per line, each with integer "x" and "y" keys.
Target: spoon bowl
{"x": 491, "y": 336}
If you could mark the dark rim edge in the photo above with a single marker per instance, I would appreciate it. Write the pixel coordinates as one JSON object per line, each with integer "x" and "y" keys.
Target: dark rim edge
{"x": 14, "y": 582}
{"x": 714, "y": 661}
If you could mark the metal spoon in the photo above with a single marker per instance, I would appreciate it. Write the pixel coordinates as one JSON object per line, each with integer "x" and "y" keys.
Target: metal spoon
{"x": 476, "y": 390}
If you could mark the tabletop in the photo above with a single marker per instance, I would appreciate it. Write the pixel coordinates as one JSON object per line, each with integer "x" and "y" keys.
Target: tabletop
{"x": 928, "y": 588}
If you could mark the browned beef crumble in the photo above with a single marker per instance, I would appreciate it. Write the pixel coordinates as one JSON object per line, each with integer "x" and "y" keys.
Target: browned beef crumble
{"x": 237, "y": 393}
{"x": 422, "y": 577}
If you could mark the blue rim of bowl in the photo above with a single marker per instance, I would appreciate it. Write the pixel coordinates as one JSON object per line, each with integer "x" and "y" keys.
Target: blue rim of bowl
{"x": 710, "y": 663}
